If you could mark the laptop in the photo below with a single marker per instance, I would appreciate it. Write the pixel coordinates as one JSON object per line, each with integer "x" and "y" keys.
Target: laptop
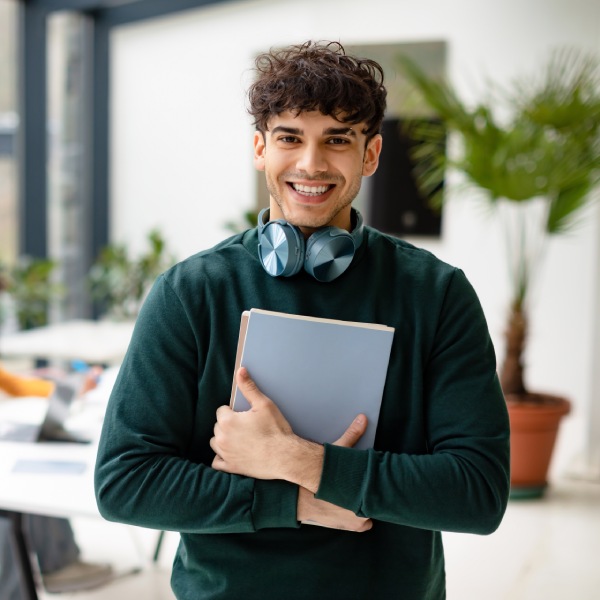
{"x": 52, "y": 428}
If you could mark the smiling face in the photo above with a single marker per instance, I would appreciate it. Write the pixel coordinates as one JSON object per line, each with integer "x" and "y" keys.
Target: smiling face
{"x": 314, "y": 166}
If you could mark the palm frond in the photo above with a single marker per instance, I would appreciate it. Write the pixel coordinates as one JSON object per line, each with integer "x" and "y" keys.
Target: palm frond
{"x": 547, "y": 148}
{"x": 565, "y": 95}
{"x": 566, "y": 206}
{"x": 550, "y": 146}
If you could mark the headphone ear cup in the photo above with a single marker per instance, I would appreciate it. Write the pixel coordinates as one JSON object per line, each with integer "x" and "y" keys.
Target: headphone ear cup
{"x": 329, "y": 253}
{"x": 281, "y": 248}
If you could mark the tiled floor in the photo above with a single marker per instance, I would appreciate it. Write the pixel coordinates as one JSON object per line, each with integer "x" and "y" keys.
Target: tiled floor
{"x": 547, "y": 549}
{"x": 544, "y": 550}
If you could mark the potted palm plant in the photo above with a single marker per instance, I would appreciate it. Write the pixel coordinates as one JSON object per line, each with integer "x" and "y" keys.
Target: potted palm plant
{"x": 538, "y": 169}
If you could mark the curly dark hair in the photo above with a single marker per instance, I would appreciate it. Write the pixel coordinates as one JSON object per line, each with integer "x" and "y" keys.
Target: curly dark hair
{"x": 318, "y": 76}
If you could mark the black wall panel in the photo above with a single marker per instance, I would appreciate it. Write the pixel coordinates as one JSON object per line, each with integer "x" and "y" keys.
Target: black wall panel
{"x": 396, "y": 206}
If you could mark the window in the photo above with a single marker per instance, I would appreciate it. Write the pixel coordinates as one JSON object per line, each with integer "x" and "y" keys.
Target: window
{"x": 68, "y": 191}
{"x": 9, "y": 122}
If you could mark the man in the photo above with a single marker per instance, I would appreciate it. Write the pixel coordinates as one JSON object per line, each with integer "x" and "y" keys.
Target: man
{"x": 240, "y": 490}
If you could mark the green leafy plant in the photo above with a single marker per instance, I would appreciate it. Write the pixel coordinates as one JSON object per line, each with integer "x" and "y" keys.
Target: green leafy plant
{"x": 31, "y": 289}
{"x": 538, "y": 167}
{"x": 120, "y": 283}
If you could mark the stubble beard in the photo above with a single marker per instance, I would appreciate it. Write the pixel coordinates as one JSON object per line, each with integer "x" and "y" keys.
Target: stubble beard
{"x": 318, "y": 220}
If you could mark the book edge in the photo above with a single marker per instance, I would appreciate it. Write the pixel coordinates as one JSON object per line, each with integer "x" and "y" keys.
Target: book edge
{"x": 377, "y": 326}
{"x": 239, "y": 352}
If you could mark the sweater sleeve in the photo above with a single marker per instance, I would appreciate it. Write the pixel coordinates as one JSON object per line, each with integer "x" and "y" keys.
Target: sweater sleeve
{"x": 461, "y": 482}
{"x": 144, "y": 474}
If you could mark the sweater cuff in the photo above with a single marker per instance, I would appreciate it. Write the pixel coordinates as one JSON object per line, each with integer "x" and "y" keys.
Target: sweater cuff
{"x": 344, "y": 471}
{"x": 275, "y": 504}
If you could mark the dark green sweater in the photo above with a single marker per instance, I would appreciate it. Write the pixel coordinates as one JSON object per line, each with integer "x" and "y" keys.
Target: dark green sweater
{"x": 441, "y": 454}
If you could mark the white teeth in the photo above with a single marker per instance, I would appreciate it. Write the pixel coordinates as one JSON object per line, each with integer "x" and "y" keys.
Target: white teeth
{"x": 309, "y": 190}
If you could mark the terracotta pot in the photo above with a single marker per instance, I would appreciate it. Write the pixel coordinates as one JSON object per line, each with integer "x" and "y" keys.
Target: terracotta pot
{"x": 533, "y": 428}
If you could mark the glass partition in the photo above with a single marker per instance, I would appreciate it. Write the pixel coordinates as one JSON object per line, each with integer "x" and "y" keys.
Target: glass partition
{"x": 9, "y": 123}
{"x": 68, "y": 170}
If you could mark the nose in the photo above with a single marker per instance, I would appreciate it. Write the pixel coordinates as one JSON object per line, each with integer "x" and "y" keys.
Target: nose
{"x": 311, "y": 159}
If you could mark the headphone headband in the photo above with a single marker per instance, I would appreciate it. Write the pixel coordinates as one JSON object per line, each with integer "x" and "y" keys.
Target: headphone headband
{"x": 325, "y": 255}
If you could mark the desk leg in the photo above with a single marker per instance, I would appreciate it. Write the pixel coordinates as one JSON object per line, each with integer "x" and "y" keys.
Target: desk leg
{"x": 159, "y": 542}
{"x": 22, "y": 557}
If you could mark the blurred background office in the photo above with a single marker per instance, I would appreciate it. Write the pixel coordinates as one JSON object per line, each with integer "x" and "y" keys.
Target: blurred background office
{"x": 123, "y": 119}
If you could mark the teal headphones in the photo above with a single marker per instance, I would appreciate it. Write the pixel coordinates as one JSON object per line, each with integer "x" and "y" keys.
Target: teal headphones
{"x": 326, "y": 254}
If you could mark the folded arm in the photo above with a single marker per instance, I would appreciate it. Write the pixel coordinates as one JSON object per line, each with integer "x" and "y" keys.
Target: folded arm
{"x": 459, "y": 484}
{"x": 155, "y": 466}
{"x": 260, "y": 443}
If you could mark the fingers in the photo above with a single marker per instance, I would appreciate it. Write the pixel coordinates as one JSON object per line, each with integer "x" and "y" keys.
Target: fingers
{"x": 223, "y": 414}
{"x": 353, "y": 433}
{"x": 364, "y": 525}
{"x": 217, "y": 461}
{"x": 311, "y": 511}
{"x": 248, "y": 388}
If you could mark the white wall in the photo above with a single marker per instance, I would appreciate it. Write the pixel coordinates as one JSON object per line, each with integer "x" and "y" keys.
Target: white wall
{"x": 182, "y": 158}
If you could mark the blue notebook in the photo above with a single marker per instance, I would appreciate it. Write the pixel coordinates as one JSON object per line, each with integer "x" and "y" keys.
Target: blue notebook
{"x": 321, "y": 373}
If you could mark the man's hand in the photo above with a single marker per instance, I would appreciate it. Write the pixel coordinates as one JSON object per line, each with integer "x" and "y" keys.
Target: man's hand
{"x": 260, "y": 442}
{"x": 318, "y": 512}
{"x": 311, "y": 511}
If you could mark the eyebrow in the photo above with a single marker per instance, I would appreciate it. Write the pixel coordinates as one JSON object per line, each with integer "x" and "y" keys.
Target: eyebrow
{"x": 340, "y": 131}
{"x": 329, "y": 131}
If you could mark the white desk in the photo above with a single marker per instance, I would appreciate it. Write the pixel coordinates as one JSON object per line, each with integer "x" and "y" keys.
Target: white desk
{"x": 32, "y": 482}
{"x": 31, "y": 474}
{"x": 46, "y": 493}
{"x": 94, "y": 342}
{"x": 25, "y": 488}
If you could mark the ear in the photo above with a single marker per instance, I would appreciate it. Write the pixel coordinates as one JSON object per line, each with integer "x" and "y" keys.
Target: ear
{"x": 259, "y": 150}
{"x": 372, "y": 153}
